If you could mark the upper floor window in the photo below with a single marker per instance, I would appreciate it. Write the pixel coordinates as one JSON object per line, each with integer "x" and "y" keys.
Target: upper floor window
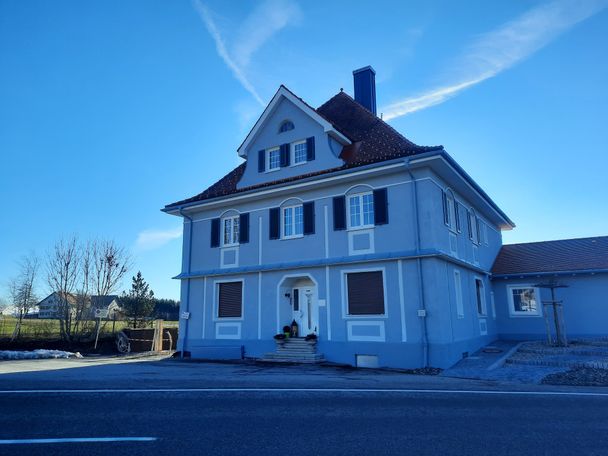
{"x": 299, "y": 152}
{"x": 230, "y": 230}
{"x": 473, "y": 226}
{"x": 293, "y": 221}
{"x": 361, "y": 210}
{"x": 286, "y": 126}
{"x": 274, "y": 159}
{"x": 450, "y": 211}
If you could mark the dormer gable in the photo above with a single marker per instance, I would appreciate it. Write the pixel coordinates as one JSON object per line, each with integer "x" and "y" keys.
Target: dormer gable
{"x": 290, "y": 139}
{"x": 283, "y": 93}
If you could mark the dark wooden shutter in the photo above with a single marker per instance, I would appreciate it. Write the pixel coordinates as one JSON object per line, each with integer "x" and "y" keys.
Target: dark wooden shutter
{"x": 310, "y": 148}
{"x": 230, "y": 300}
{"x": 244, "y": 228}
{"x": 274, "y": 215}
{"x": 469, "y": 225}
{"x": 380, "y": 207}
{"x": 365, "y": 293}
{"x": 309, "y": 217}
{"x": 339, "y": 213}
{"x": 477, "y": 231}
{"x": 284, "y": 155}
{"x": 261, "y": 161}
{"x": 457, "y": 216}
{"x": 215, "y": 232}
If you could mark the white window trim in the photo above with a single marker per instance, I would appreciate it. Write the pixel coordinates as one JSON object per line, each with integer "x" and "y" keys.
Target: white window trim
{"x": 344, "y": 292}
{"x": 519, "y": 314}
{"x": 362, "y": 226}
{"x": 282, "y": 215}
{"x": 293, "y": 153}
{"x": 484, "y": 304}
{"x": 451, "y": 208}
{"x": 222, "y": 221}
{"x": 268, "y": 151}
{"x": 216, "y": 300}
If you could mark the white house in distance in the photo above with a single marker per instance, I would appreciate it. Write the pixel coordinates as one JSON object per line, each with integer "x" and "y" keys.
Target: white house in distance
{"x": 49, "y": 306}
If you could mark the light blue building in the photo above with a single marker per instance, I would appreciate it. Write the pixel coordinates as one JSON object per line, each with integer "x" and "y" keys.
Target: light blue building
{"x": 381, "y": 248}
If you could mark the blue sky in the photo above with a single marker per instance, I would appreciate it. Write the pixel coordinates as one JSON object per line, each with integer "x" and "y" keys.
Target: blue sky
{"x": 109, "y": 110}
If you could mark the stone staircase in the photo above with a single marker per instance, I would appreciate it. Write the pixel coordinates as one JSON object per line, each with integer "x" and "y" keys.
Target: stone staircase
{"x": 295, "y": 350}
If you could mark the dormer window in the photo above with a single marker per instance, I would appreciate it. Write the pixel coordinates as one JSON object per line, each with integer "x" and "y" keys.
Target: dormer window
{"x": 299, "y": 152}
{"x": 274, "y": 159}
{"x": 286, "y": 126}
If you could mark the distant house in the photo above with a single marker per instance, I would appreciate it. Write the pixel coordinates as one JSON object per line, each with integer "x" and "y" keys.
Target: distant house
{"x": 109, "y": 303}
{"x": 49, "y": 306}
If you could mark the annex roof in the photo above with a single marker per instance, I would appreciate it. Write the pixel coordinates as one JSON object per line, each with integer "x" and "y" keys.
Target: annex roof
{"x": 567, "y": 255}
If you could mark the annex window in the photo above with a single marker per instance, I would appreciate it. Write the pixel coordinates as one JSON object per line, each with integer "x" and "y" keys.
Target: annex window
{"x": 230, "y": 300}
{"x": 299, "y": 152}
{"x": 361, "y": 210}
{"x": 274, "y": 159}
{"x": 365, "y": 293}
{"x": 480, "y": 296}
{"x": 230, "y": 230}
{"x": 523, "y": 300}
{"x": 292, "y": 221}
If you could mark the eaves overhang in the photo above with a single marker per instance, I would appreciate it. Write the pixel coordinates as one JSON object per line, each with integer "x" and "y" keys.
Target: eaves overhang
{"x": 442, "y": 163}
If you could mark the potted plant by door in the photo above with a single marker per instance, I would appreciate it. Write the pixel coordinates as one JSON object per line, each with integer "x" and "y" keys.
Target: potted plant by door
{"x": 311, "y": 338}
{"x": 279, "y": 338}
{"x": 287, "y": 331}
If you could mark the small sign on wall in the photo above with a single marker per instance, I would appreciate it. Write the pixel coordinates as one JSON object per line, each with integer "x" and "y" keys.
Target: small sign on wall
{"x": 185, "y": 315}
{"x": 321, "y": 302}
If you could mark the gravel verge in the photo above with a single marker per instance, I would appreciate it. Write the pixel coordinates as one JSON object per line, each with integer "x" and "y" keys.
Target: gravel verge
{"x": 578, "y": 377}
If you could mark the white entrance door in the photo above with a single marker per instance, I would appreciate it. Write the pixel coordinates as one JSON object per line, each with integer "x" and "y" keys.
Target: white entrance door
{"x": 304, "y": 310}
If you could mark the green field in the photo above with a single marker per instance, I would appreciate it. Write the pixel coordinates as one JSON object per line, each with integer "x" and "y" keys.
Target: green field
{"x": 49, "y": 329}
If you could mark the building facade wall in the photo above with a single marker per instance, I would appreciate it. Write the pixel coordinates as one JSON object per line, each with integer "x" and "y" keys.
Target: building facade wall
{"x": 585, "y": 304}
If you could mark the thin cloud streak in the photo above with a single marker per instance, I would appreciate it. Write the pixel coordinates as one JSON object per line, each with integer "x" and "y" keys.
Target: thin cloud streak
{"x": 265, "y": 21}
{"x": 153, "y": 239}
{"x": 223, "y": 53}
{"x": 503, "y": 48}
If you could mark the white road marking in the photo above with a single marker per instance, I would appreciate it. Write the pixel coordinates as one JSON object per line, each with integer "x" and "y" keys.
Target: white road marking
{"x": 303, "y": 390}
{"x": 77, "y": 440}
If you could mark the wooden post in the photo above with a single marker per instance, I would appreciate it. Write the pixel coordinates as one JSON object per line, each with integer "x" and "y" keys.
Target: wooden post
{"x": 159, "y": 335}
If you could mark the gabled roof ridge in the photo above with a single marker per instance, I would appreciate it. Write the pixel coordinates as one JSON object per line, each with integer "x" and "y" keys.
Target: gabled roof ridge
{"x": 556, "y": 240}
{"x": 378, "y": 119}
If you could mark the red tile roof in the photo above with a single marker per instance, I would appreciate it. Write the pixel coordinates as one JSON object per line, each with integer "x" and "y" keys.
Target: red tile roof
{"x": 553, "y": 256}
{"x": 373, "y": 141}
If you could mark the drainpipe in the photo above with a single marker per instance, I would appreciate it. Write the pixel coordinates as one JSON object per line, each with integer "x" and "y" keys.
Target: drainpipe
{"x": 425, "y": 339}
{"x": 187, "y": 306}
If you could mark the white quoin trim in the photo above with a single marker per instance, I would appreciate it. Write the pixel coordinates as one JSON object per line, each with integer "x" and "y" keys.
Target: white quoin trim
{"x": 284, "y": 92}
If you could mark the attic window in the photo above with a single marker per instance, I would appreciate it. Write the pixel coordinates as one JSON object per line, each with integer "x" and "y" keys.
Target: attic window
{"x": 286, "y": 126}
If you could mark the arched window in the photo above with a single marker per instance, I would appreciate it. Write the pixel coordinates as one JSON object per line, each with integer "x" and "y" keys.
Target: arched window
{"x": 286, "y": 126}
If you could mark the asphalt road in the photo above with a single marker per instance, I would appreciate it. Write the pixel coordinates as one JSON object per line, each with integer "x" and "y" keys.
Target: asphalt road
{"x": 305, "y": 423}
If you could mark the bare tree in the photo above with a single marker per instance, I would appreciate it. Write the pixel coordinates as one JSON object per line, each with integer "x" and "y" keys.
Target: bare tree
{"x": 63, "y": 271}
{"x": 21, "y": 290}
{"x": 110, "y": 264}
